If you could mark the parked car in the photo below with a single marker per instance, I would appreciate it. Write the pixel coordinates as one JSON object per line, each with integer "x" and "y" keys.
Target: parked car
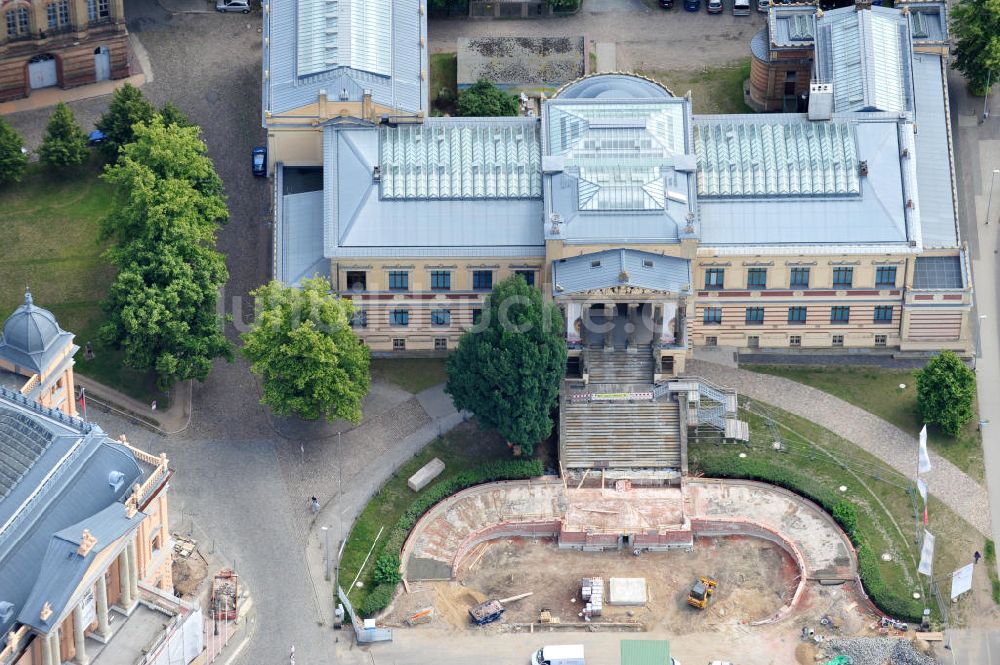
{"x": 242, "y": 6}
{"x": 763, "y": 5}
{"x": 667, "y": 4}
{"x": 741, "y": 7}
{"x": 714, "y": 7}
{"x": 259, "y": 161}
{"x": 692, "y": 5}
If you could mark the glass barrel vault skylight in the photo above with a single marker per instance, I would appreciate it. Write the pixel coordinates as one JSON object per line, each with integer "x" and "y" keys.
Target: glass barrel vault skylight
{"x": 340, "y": 33}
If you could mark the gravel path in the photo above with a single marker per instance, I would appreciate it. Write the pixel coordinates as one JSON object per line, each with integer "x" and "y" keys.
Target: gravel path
{"x": 889, "y": 443}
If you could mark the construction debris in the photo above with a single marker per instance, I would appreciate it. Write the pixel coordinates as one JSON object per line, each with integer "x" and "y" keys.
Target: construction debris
{"x": 592, "y": 592}
{"x": 183, "y": 547}
{"x": 425, "y": 615}
{"x": 878, "y": 651}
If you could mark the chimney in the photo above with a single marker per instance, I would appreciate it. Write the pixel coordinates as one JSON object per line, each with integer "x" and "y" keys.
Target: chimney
{"x": 322, "y": 104}
{"x": 863, "y": 168}
{"x": 860, "y": 5}
{"x": 820, "y": 101}
{"x": 367, "y": 110}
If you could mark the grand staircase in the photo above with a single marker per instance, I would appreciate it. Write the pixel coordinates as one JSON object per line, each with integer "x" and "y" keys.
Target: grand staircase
{"x": 621, "y": 367}
{"x": 620, "y": 434}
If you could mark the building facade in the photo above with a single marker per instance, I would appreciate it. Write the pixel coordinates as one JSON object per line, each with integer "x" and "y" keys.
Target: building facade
{"x": 64, "y": 43}
{"x": 652, "y": 228}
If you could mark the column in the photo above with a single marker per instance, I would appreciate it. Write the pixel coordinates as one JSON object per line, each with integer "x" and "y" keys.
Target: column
{"x": 133, "y": 571}
{"x": 79, "y": 638}
{"x": 46, "y": 650}
{"x": 55, "y": 648}
{"x": 124, "y": 579}
{"x": 101, "y": 594}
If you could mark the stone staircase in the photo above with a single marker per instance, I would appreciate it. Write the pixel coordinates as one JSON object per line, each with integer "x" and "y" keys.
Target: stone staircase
{"x": 630, "y": 434}
{"x": 620, "y": 367}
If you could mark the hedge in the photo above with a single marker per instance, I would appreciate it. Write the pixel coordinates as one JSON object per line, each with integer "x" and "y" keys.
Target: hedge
{"x": 842, "y": 511}
{"x": 380, "y": 597}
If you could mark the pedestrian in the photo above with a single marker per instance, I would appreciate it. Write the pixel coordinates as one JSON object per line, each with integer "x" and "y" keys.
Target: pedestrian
{"x": 314, "y": 505}
{"x": 976, "y": 557}
{"x": 291, "y": 656}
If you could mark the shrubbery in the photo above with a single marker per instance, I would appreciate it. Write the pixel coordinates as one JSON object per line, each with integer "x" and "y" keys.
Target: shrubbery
{"x": 847, "y": 516}
{"x": 381, "y": 595}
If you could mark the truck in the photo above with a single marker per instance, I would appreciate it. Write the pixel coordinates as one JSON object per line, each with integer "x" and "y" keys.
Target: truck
{"x": 559, "y": 654}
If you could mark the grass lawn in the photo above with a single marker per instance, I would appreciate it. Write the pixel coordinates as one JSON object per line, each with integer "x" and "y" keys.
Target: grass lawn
{"x": 713, "y": 90}
{"x": 410, "y": 374}
{"x": 816, "y": 462}
{"x": 461, "y": 449}
{"x": 444, "y": 75}
{"x": 49, "y": 225}
{"x": 877, "y": 390}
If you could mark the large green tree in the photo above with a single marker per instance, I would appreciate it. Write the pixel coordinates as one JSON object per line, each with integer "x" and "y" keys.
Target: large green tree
{"x": 128, "y": 107}
{"x": 975, "y": 25}
{"x": 301, "y": 344}
{"x": 508, "y": 369}
{"x": 13, "y": 161}
{"x": 485, "y": 100}
{"x": 167, "y": 210}
{"x": 171, "y": 115}
{"x": 946, "y": 389}
{"x": 64, "y": 144}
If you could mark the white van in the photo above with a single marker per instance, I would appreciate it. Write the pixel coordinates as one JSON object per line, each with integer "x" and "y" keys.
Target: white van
{"x": 741, "y": 7}
{"x": 559, "y": 654}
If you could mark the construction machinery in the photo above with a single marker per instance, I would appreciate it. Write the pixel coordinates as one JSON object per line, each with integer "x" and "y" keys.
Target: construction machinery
{"x": 701, "y": 592}
{"x": 490, "y": 610}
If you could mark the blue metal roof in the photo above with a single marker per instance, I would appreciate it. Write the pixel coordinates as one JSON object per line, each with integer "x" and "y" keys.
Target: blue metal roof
{"x": 32, "y": 338}
{"x": 792, "y": 26}
{"x": 928, "y": 21}
{"x": 345, "y": 47}
{"x": 935, "y": 173}
{"x": 621, "y": 267}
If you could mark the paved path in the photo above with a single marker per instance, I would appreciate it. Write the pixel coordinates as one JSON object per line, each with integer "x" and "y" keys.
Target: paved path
{"x": 887, "y": 442}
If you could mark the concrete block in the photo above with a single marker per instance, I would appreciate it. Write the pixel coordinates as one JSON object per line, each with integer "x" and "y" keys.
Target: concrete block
{"x": 425, "y": 475}
{"x": 627, "y": 591}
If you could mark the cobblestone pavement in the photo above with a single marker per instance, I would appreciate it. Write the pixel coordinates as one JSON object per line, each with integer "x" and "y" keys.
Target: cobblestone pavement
{"x": 646, "y": 38}
{"x": 887, "y": 442}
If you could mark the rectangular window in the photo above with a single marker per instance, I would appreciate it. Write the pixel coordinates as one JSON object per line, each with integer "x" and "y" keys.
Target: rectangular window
{"x": 440, "y": 280}
{"x": 883, "y": 314}
{"x": 359, "y": 319}
{"x": 795, "y": 340}
{"x": 52, "y": 12}
{"x": 881, "y": 340}
{"x": 757, "y": 278}
{"x": 357, "y": 280}
{"x": 755, "y": 316}
{"x": 843, "y": 277}
{"x": 711, "y": 340}
{"x": 799, "y": 277}
{"x": 98, "y": 10}
{"x": 399, "y": 317}
{"x": 715, "y": 278}
{"x": 528, "y": 275}
{"x": 840, "y": 314}
{"x": 477, "y": 316}
{"x": 440, "y": 317}
{"x": 713, "y": 315}
{"x": 753, "y": 341}
{"x": 399, "y": 280}
{"x": 838, "y": 340}
{"x": 440, "y": 343}
{"x": 796, "y": 314}
{"x": 885, "y": 276}
{"x": 398, "y": 344}
{"x": 482, "y": 280}
{"x": 64, "y": 12}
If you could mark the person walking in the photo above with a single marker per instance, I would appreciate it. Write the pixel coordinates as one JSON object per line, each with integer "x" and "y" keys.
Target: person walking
{"x": 976, "y": 557}
{"x": 314, "y": 505}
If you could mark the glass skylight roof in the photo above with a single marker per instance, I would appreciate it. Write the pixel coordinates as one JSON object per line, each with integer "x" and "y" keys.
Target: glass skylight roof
{"x": 337, "y": 33}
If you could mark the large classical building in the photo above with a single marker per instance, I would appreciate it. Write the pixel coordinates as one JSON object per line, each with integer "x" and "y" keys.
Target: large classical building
{"x": 652, "y": 227}
{"x": 83, "y": 518}
{"x": 65, "y": 43}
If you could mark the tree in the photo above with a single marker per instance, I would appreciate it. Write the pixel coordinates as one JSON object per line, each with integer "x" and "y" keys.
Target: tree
{"x": 484, "y": 100}
{"x": 508, "y": 369}
{"x": 128, "y": 107}
{"x": 976, "y": 27}
{"x": 13, "y": 160}
{"x": 310, "y": 362}
{"x": 171, "y": 115}
{"x": 946, "y": 388}
{"x": 167, "y": 210}
{"x": 64, "y": 144}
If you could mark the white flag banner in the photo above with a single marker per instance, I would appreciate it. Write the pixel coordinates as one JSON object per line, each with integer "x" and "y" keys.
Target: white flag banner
{"x": 961, "y": 581}
{"x": 923, "y": 460}
{"x": 922, "y": 488}
{"x": 926, "y": 566}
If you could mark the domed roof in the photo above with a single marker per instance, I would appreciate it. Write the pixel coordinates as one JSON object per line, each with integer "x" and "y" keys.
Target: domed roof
{"x": 614, "y": 86}
{"x": 31, "y": 336}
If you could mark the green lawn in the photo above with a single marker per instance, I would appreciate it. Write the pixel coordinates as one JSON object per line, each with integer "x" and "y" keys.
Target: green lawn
{"x": 817, "y": 463}
{"x": 49, "y": 224}
{"x": 877, "y": 390}
{"x": 410, "y": 374}
{"x": 713, "y": 90}
{"x": 444, "y": 76}
{"x": 461, "y": 449}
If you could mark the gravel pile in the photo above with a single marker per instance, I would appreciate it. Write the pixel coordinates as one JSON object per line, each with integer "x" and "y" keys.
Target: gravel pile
{"x": 880, "y": 651}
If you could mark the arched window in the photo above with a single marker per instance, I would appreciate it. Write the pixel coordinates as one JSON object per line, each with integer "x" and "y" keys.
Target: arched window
{"x": 98, "y": 10}
{"x": 18, "y": 23}
{"x": 58, "y": 15}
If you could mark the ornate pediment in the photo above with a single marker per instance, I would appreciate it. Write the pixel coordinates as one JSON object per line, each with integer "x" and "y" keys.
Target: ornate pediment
{"x": 623, "y": 290}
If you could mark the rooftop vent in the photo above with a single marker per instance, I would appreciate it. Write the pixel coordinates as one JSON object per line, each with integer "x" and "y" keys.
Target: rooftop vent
{"x": 820, "y": 101}
{"x": 376, "y": 174}
{"x": 863, "y": 168}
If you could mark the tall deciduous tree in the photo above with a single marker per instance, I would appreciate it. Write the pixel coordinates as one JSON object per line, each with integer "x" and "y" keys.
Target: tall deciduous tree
{"x": 128, "y": 107}
{"x": 508, "y": 369}
{"x": 946, "y": 389}
{"x": 64, "y": 144}
{"x": 171, "y": 115}
{"x": 168, "y": 207}
{"x": 310, "y": 362}
{"x": 13, "y": 161}
{"x": 483, "y": 99}
{"x": 976, "y": 27}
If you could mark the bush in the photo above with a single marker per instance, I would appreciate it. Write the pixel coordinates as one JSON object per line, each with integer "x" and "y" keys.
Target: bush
{"x": 847, "y": 516}
{"x": 485, "y": 100}
{"x": 377, "y": 600}
{"x": 387, "y": 569}
{"x": 990, "y": 552}
{"x": 946, "y": 390}
{"x": 64, "y": 144}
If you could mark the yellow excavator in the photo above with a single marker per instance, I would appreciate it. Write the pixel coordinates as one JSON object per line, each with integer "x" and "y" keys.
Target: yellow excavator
{"x": 701, "y": 592}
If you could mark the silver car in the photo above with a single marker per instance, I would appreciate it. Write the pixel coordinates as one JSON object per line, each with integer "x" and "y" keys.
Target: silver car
{"x": 242, "y": 6}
